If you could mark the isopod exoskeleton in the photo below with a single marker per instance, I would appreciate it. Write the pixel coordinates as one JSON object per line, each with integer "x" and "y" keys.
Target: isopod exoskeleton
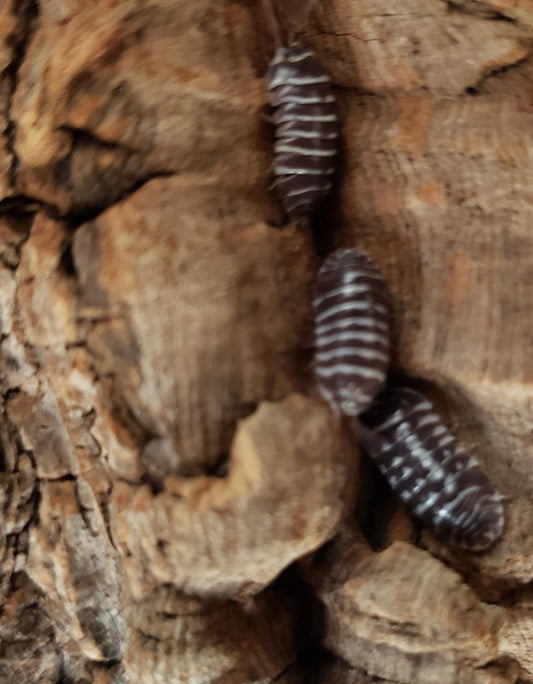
{"x": 441, "y": 484}
{"x": 304, "y": 114}
{"x": 352, "y": 331}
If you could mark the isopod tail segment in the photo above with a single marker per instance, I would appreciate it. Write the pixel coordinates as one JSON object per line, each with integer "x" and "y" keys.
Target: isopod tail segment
{"x": 352, "y": 315}
{"x": 304, "y": 115}
{"x": 441, "y": 484}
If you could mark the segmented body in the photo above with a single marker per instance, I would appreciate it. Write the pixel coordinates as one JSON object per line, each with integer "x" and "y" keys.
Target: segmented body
{"x": 441, "y": 484}
{"x": 306, "y": 128}
{"x": 352, "y": 331}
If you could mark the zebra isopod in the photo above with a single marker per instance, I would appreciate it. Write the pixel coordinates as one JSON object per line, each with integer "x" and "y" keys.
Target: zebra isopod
{"x": 352, "y": 331}
{"x": 440, "y": 483}
{"x": 304, "y": 114}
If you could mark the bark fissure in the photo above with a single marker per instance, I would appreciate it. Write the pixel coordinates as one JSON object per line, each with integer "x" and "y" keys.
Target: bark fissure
{"x": 81, "y": 214}
{"x": 176, "y": 504}
{"x": 86, "y": 136}
{"x": 497, "y": 72}
{"x": 27, "y": 12}
{"x": 478, "y": 8}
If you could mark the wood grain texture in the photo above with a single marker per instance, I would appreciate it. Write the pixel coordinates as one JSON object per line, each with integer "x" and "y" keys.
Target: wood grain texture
{"x": 232, "y": 536}
{"x": 212, "y": 640}
{"x": 7, "y": 24}
{"x": 112, "y": 94}
{"x": 438, "y": 170}
{"x": 172, "y": 333}
{"x": 400, "y": 615}
{"x": 173, "y": 492}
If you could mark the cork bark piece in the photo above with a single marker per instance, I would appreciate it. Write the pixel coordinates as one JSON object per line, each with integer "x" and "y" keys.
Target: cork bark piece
{"x": 177, "y": 504}
{"x": 289, "y": 485}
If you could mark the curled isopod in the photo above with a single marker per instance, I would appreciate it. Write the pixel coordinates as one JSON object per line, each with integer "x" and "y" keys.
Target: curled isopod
{"x": 305, "y": 117}
{"x": 352, "y": 331}
{"x": 441, "y": 484}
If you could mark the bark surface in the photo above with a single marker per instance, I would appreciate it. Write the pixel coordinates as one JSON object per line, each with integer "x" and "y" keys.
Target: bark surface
{"x": 178, "y": 505}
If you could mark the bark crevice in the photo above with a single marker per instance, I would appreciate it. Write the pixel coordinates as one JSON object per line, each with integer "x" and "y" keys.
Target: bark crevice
{"x": 27, "y": 13}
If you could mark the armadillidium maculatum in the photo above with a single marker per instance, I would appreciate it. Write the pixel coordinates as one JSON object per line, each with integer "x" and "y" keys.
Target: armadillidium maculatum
{"x": 441, "y": 484}
{"x": 352, "y": 331}
{"x": 304, "y": 114}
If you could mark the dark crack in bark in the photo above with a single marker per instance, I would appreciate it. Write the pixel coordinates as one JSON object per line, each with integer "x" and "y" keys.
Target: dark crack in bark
{"x": 94, "y": 189}
{"x": 478, "y": 8}
{"x": 477, "y": 87}
{"x": 27, "y": 12}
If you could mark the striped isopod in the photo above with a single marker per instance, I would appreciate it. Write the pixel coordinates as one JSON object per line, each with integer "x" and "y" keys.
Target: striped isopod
{"x": 352, "y": 331}
{"x": 441, "y": 484}
{"x": 306, "y": 129}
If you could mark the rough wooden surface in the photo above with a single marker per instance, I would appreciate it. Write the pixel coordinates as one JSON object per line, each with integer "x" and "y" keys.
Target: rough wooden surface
{"x": 402, "y": 616}
{"x": 177, "y": 504}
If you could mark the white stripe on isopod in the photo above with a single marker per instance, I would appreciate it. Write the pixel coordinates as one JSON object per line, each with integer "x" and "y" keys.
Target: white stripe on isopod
{"x": 344, "y": 307}
{"x": 295, "y": 133}
{"x": 288, "y": 115}
{"x": 308, "y": 99}
{"x": 348, "y": 369}
{"x": 308, "y": 188}
{"x": 352, "y": 321}
{"x": 369, "y": 354}
{"x": 344, "y": 291}
{"x": 353, "y": 336}
{"x": 282, "y": 146}
{"x": 285, "y": 170}
{"x": 286, "y": 79}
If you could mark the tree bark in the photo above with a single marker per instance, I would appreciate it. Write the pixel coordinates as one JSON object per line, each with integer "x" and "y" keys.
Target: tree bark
{"x": 178, "y": 505}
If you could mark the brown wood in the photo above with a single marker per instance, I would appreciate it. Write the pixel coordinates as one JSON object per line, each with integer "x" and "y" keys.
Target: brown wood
{"x": 177, "y": 503}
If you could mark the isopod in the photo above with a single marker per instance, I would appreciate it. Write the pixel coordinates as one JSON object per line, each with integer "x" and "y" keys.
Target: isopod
{"x": 305, "y": 118}
{"x": 352, "y": 331}
{"x": 440, "y": 483}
